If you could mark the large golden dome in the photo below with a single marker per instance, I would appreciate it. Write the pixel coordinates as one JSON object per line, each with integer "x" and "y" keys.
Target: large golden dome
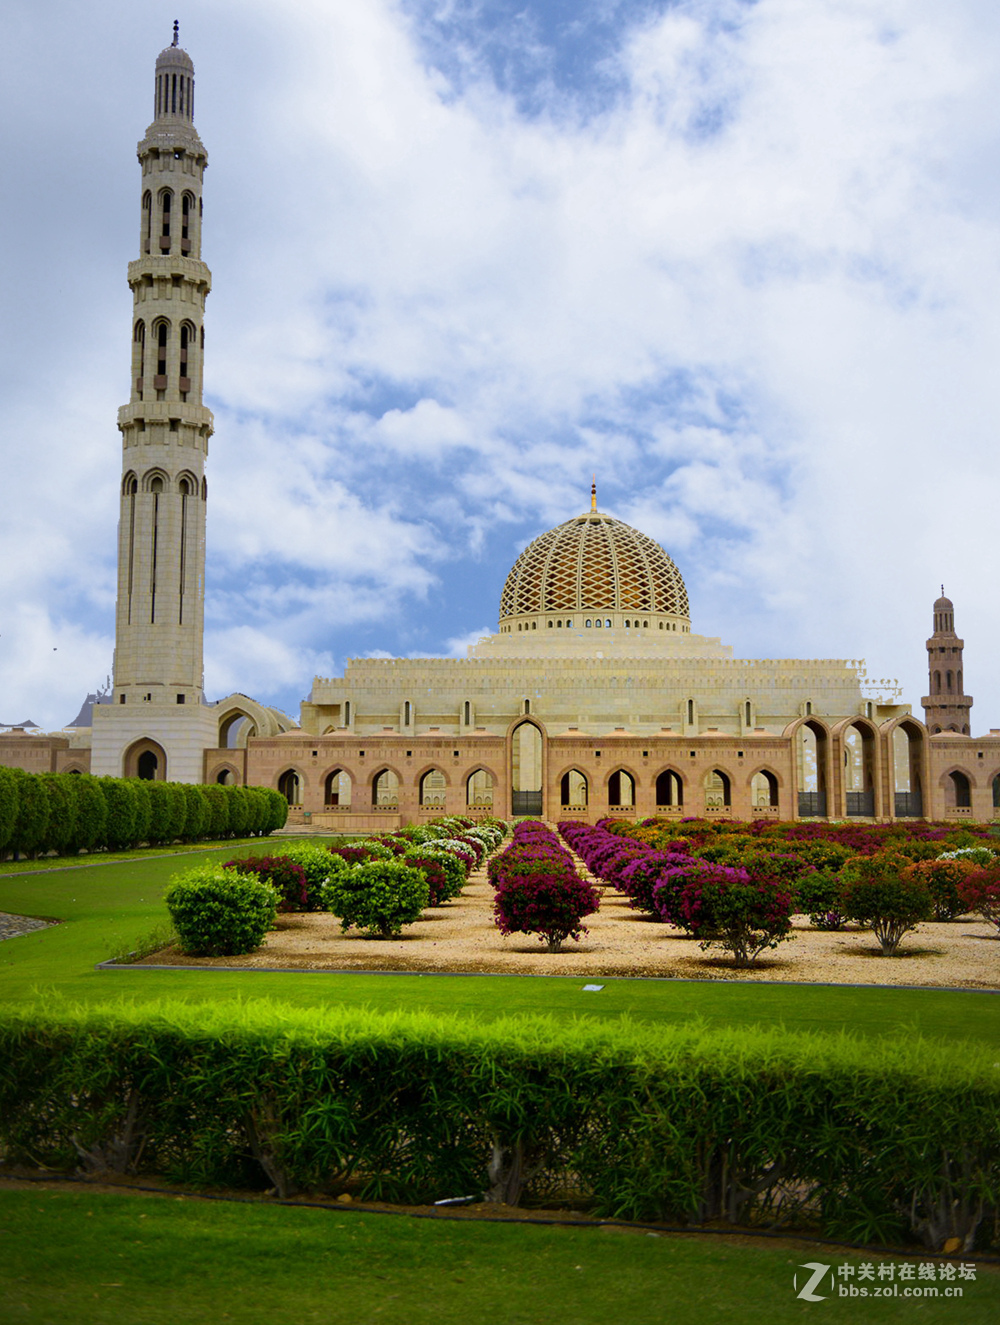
{"x": 595, "y": 564}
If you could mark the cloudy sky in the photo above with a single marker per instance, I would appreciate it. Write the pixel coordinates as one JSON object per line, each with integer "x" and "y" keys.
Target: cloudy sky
{"x": 740, "y": 259}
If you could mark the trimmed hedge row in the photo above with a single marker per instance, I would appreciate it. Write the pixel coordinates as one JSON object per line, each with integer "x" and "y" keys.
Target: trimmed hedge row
{"x": 755, "y": 1127}
{"x": 72, "y": 812}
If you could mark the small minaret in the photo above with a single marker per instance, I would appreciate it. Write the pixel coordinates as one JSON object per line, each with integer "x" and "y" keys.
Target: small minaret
{"x": 165, "y": 428}
{"x": 946, "y": 708}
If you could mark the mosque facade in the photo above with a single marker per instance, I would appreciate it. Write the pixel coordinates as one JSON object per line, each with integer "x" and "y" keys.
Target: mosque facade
{"x": 594, "y": 697}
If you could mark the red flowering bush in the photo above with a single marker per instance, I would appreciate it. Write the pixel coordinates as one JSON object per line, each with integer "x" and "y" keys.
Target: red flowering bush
{"x": 980, "y": 893}
{"x": 877, "y": 895}
{"x": 284, "y": 875}
{"x": 944, "y": 879}
{"x": 357, "y": 853}
{"x": 745, "y": 916}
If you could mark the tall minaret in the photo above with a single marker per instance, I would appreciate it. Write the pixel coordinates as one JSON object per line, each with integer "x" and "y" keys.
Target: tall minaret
{"x": 165, "y": 428}
{"x": 946, "y": 708}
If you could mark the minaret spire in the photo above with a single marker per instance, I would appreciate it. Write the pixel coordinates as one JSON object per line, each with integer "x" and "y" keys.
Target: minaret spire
{"x": 165, "y": 427}
{"x": 593, "y": 494}
{"x": 947, "y": 706}
{"x": 177, "y": 33}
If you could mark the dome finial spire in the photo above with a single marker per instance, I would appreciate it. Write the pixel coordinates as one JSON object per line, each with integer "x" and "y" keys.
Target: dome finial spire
{"x": 177, "y": 32}
{"x": 593, "y": 494}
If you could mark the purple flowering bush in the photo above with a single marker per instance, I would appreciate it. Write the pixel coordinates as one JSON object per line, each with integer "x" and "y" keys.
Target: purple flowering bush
{"x": 538, "y": 890}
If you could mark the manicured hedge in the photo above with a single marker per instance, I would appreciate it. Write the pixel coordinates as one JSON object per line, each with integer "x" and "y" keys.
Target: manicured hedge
{"x": 749, "y": 1126}
{"x": 69, "y": 812}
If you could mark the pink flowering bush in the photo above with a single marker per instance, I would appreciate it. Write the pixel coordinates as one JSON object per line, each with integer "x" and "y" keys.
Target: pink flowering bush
{"x": 980, "y": 893}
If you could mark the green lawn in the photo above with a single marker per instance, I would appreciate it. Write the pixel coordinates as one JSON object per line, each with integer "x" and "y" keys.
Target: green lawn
{"x": 86, "y": 1258}
{"x": 107, "y": 907}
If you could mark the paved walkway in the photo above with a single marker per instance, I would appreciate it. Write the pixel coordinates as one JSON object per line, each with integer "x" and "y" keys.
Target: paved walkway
{"x": 12, "y": 927}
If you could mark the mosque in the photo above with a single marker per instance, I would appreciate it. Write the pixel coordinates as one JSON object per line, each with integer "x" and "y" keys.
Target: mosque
{"x": 594, "y": 697}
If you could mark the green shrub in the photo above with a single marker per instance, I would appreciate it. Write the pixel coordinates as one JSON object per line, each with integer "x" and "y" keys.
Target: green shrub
{"x": 283, "y": 874}
{"x": 198, "y": 812}
{"x": 8, "y": 805}
{"x": 379, "y": 897}
{"x": 277, "y": 809}
{"x": 258, "y": 810}
{"x": 317, "y": 864}
{"x": 239, "y": 811}
{"x": 91, "y": 814}
{"x": 877, "y": 895}
{"x": 120, "y": 798}
{"x": 61, "y": 790}
{"x": 218, "y": 808}
{"x": 675, "y": 1123}
{"x": 33, "y": 809}
{"x": 818, "y": 895}
{"x": 219, "y": 912}
{"x": 143, "y": 809}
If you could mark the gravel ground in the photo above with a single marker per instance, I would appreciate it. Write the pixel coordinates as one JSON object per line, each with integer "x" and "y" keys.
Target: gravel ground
{"x": 461, "y": 937}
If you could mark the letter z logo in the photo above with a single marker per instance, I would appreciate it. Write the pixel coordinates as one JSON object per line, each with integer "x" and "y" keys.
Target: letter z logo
{"x": 806, "y": 1291}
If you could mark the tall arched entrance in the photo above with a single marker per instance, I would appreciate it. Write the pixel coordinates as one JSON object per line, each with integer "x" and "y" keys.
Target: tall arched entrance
{"x": 859, "y": 770}
{"x": 810, "y": 770}
{"x": 907, "y": 764}
{"x": 145, "y": 759}
{"x": 526, "y": 770}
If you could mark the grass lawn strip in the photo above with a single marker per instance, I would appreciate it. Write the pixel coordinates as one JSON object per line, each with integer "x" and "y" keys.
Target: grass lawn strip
{"x": 86, "y": 1258}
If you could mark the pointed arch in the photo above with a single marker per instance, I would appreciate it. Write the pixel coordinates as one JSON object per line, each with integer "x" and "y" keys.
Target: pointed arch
{"x": 385, "y": 788}
{"x": 290, "y": 784}
{"x": 145, "y": 759}
{"x": 574, "y": 790}
{"x": 621, "y": 789}
{"x": 811, "y": 744}
{"x": 669, "y": 789}
{"x": 337, "y": 788}
{"x": 433, "y": 788}
{"x": 526, "y": 761}
{"x": 718, "y": 789}
{"x": 764, "y": 787}
{"x": 479, "y": 788}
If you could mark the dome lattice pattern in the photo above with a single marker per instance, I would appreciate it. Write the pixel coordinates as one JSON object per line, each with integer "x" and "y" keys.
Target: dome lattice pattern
{"x": 594, "y": 564}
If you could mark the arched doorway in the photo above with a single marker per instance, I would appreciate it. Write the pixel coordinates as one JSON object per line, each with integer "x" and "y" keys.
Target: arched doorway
{"x": 859, "y": 770}
{"x": 764, "y": 790}
{"x": 810, "y": 766}
{"x": 621, "y": 789}
{"x": 669, "y": 790}
{"x": 718, "y": 790}
{"x": 225, "y": 777}
{"x": 235, "y": 729}
{"x": 290, "y": 786}
{"x": 479, "y": 790}
{"x": 907, "y": 762}
{"x": 526, "y": 770}
{"x": 433, "y": 789}
{"x": 147, "y": 760}
{"x": 573, "y": 790}
{"x": 337, "y": 788}
{"x": 385, "y": 789}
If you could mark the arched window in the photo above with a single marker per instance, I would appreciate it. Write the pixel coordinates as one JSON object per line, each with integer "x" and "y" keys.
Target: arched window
{"x": 764, "y": 789}
{"x": 573, "y": 790}
{"x": 385, "y": 788}
{"x": 621, "y": 789}
{"x": 467, "y": 714}
{"x": 187, "y": 209}
{"x": 996, "y": 792}
{"x": 859, "y": 770}
{"x": 690, "y": 712}
{"x": 433, "y": 788}
{"x": 958, "y": 791}
{"x": 407, "y": 713}
{"x": 479, "y": 790}
{"x": 949, "y": 681}
{"x": 290, "y": 786}
{"x": 146, "y": 766}
{"x": 162, "y": 341}
{"x": 147, "y": 220}
{"x": 130, "y": 485}
{"x": 224, "y": 777}
{"x": 526, "y": 769}
{"x": 139, "y": 356}
{"x": 187, "y": 339}
{"x": 156, "y": 484}
{"x": 717, "y": 790}
{"x": 669, "y": 789}
{"x": 748, "y": 714}
{"x": 235, "y": 729}
{"x": 587, "y": 623}
{"x": 337, "y": 788}
{"x": 166, "y": 199}
{"x": 937, "y": 683}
